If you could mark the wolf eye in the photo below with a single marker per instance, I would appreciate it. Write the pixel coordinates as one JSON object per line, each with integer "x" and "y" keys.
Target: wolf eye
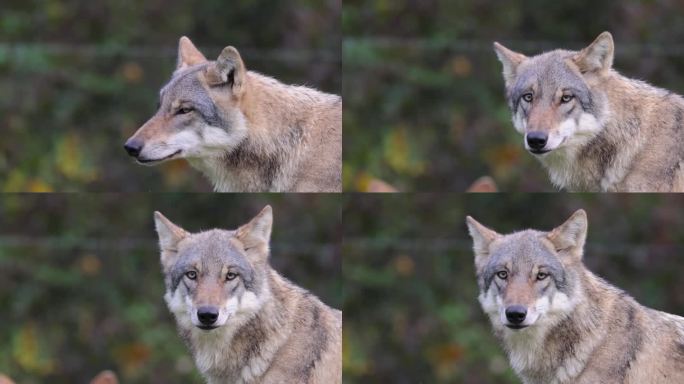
{"x": 184, "y": 110}
{"x": 502, "y": 275}
{"x": 542, "y": 275}
{"x": 231, "y": 276}
{"x": 566, "y": 98}
{"x": 527, "y": 97}
{"x": 192, "y": 275}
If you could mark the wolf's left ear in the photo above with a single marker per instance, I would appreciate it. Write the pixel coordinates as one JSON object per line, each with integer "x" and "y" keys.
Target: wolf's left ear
{"x": 571, "y": 235}
{"x": 188, "y": 54}
{"x": 510, "y": 60}
{"x": 169, "y": 236}
{"x": 598, "y": 56}
{"x": 256, "y": 234}
{"x": 228, "y": 69}
{"x": 482, "y": 239}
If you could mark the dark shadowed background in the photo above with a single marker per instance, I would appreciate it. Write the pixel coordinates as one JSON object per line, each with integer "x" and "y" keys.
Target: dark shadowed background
{"x": 79, "y": 77}
{"x": 82, "y": 288}
{"x": 409, "y": 278}
{"x": 424, "y": 96}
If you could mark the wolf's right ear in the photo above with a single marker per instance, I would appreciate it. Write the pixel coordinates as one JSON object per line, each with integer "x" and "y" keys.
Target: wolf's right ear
{"x": 228, "y": 69}
{"x": 598, "y": 56}
{"x": 169, "y": 236}
{"x": 256, "y": 235}
{"x": 188, "y": 54}
{"x": 510, "y": 60}
{"x": 5, "y": 380}
{"x": 482, "y": 239}
{"x": 571, "y": 235}
{"x": 104, "y": 377}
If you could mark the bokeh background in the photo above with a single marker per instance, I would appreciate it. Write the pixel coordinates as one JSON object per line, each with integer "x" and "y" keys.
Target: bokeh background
{"x": 409, "y": 279}
{"x": 423, "y": 92}
{"x": 78, "y": 77}
{"x": 82, "y": 287}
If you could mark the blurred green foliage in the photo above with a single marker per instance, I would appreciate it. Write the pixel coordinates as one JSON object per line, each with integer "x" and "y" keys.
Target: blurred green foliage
{"x": 79, "y": 77}
{"x": 409, "y": 278}
{"x": 423, "y": 91}
{"x": 82, "y": 287}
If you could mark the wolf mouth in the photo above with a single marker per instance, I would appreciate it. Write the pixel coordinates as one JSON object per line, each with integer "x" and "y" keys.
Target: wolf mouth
{"x": 150, "y": 161}
{"x": 207, "y": 327}
{"x": 540, "y": 151}
{"x": 516, "y": 327}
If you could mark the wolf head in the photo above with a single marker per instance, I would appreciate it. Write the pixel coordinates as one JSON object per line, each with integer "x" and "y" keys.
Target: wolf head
{"x": 199, "y": 113}
{"x": 215, "y": 278}
{"x": 528, "y": 277}
{"x": 552, "y": 97}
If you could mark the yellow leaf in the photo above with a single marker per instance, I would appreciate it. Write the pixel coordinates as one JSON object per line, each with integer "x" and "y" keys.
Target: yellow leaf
{"x": 27, "y": 352}
{"x": 37, "y": 185}
{"x": 70, "y": 161}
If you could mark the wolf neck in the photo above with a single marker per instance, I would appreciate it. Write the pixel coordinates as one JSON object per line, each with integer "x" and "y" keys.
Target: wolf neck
{"x": 558, "y": 353}
{"x": 242, "y": 354}
{"x": 279, "y": 122}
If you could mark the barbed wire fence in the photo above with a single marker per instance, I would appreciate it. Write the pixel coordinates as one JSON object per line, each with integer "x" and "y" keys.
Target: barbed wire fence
{"x": 140, "y": 243}
{"x": 486, "y": 46}
{"x": 20, "y": 50}
{"x": 419, "y": 246}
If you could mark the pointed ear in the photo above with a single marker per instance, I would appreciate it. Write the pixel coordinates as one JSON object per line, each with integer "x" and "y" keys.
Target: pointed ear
{"x": 169, "y": 236}
{"x": 598, "y": 56}
{"x": 482, "y": 239}
{"x": 105, "y": 377}
{"x": 5, "y": 380}
{"x": 228, "y": 69}
{"x": 256, "y": 234}
{"x": 571, "y": 235}
{"x": 510, "y": 60}
{"x": 188, "y": 54}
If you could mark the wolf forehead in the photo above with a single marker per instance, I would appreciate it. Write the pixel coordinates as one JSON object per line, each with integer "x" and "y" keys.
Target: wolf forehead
{"x": 186, "y": 85}
{"x": 212, "y": 252}
{"x": 520, "y": 252}
{"x": 548, "y": 73}
{"x": 213, "y": 248}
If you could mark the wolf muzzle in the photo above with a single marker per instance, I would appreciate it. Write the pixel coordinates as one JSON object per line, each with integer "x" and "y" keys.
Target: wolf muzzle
{"x": 207, "y": 315}
{"x": 133, "y": 147}
{"x": 536, "y": 141}
{"x": 515, "y": 314}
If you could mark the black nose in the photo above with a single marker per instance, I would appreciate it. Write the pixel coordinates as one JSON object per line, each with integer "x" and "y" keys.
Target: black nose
{"x": 516, "y": 314}
{"x": 537, "y": 140}
{"x": 133, "y": 147}
{"x": 207, "y": 315}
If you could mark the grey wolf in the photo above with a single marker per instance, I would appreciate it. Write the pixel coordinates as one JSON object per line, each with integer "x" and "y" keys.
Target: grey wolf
{"x": 592, "y": 128}
{"x": 245, "y": 131}
{"x": 242, "y": 321}
{"x": 560, "y": 323}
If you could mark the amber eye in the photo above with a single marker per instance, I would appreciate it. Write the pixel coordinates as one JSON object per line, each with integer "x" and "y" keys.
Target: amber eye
{"x": 192, "y": 275}
{"x": 527, "y": 97}
{"x": 542, "y": 275}
{"x": 503, "y": 275}
{"x": 566, "y": 98}
{"x": 231, "y": 276}
{"x": 184, "y": 110}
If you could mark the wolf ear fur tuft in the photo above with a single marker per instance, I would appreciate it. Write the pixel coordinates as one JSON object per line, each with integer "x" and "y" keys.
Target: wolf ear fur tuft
{"x": 510, "y": 60}
{"x": 482, "y": 239}
{"x": 572, "y": 234}
{"x": 228, "y": 69}
{"x": 169, "y": 236}
{"x": 257, "y": 233}
{"x": 188, "y": 54}
{"x": 598, "y": 56}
